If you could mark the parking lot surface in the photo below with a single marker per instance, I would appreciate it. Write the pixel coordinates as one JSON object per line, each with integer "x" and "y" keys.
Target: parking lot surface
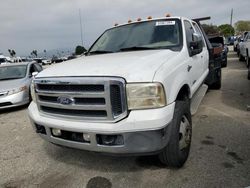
{"x": 219, "y": 157}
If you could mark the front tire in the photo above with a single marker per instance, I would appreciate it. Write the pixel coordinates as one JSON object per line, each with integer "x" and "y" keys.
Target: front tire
{"x": 176, "y": 152}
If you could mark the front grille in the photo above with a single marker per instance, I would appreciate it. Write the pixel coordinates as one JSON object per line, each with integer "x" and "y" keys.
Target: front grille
{"x": 87, "y": 98}
{"x": 85, "y": 113}
{"x": 116, "y": 100}
{"x": 71, "y": 88}
{"x": 80, "y": 101}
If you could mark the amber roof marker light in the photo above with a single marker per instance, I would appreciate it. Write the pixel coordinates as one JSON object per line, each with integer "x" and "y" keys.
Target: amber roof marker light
{"x": 150, "y": 18}
{"x": 139, "y": 19}
{"x": 168, "y": 15}
{"x": 116, "y": 24}
{"x": 129, "y": 21}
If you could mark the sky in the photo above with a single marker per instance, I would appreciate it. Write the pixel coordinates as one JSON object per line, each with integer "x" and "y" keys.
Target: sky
{"x": 26, "y": 25}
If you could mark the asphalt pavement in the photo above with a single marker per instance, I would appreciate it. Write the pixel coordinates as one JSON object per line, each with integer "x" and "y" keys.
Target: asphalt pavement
{"x": 219, "y": 157}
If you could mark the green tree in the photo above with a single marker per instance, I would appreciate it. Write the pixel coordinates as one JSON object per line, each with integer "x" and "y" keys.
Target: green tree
{"x": 242, "y": 26}
{"x": 210, "y": 29}
{"x": 34, "y": 53}
{"x": 80, "y": 50}
{"x": 226, "y": 30}
{"x": 12, "y": 52}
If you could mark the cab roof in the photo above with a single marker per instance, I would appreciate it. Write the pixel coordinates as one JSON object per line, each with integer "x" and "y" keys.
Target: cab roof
{"x": 148, "y": 19}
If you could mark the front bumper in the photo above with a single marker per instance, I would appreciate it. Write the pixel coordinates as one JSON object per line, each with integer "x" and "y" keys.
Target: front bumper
{"x": 143, "y": 131}
{"x": 17, "y": 99}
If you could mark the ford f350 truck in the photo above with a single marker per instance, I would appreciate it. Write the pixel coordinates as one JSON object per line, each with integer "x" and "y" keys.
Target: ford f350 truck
{"x": 132, "y": 93}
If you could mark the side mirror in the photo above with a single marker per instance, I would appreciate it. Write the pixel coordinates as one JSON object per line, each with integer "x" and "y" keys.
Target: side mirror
{"x": 196, "y": 45}
{"x": 34, "y": 74}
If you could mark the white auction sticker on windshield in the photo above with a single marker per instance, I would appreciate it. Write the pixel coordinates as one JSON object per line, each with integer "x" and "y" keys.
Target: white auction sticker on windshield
{"x": 161, "y": 23}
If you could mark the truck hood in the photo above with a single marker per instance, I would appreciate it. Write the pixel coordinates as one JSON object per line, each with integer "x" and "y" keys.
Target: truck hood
{"x": 136, "y": 66}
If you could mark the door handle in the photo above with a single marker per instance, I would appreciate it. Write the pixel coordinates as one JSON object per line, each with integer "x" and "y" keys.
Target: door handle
{"x": 189, "y": 68}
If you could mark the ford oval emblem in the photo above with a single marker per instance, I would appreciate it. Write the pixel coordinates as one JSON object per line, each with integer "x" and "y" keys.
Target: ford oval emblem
{"x": 65, "y": 100}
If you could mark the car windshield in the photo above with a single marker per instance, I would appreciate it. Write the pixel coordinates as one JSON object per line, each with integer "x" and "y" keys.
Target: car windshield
{"x": 157, "y": 34}
{"x": 12, "y": 72}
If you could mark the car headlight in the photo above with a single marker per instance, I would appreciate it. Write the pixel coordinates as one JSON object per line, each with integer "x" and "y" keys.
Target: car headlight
{"x": 17, "y": 90}
{"x": 32, "y": 92}
{"x": 145, "y": 96}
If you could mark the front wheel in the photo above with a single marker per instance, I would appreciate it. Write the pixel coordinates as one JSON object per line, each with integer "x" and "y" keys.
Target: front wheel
{"x": 176, "y": 152}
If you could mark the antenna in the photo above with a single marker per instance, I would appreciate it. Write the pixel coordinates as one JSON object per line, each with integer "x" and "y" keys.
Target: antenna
{"x": 231, "y": 19}
{"x": 80, "y": 17}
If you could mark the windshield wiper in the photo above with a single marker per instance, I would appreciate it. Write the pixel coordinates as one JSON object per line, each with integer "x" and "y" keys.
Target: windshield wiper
{"x": 133, "y": 48}
{"x": 100, "y": 52}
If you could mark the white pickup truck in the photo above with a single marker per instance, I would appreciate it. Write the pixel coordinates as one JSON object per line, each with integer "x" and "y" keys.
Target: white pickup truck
{"x": 132, "y": 93}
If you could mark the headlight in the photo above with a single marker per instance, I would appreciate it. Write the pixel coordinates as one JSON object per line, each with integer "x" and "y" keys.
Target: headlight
{"x": 145, "y": 96}
{"x": 17, "y": 90}
{"x": 32, "y": 92}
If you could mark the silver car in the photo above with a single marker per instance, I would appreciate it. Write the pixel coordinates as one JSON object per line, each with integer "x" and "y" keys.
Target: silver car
{"x": 15, "y": 80}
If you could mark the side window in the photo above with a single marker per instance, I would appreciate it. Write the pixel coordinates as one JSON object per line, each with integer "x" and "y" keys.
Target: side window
{"x": 189, "y": 31}
{"x": 197, "y": 29}
{"x": 35, "y": 68}
{"x": 38, "y": 67}
{"x": 248, "y": 36}
{"x": 32, "y": 69}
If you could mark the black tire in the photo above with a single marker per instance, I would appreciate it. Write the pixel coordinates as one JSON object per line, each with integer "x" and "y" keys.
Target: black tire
{"x": 248, "y": 75}
{"x": 216, "y": 85}
{"x": 224, "y": 63}
{"x": 241, "y": 58}
{"x": 247, "y": 62}
{"x": 247, "y": 58}
{"x": 176, "y": 152}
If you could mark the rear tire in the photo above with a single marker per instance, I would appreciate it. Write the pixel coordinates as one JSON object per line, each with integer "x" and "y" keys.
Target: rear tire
{"x": 224, "y": 64}
{"x": 248, "y": 76}
{"x": 241, "y": 58}
{"x": 247, "y": 59}
{"x": 176, "y": 152}
{"x": 217, "y": 84}
{"x": 248, "y": 65}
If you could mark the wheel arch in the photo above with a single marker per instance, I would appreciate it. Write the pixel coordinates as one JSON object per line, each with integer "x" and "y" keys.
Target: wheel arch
{"x": 183, "y": 92}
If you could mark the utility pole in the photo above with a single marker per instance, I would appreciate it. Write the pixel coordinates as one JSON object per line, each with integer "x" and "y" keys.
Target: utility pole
{"x": 80, "y": 16}
{"x": 231, "y": 19}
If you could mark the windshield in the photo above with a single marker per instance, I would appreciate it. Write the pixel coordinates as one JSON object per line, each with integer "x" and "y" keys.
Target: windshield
{"x": 12, "y": 72}
{"x": 158, "y": 34}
